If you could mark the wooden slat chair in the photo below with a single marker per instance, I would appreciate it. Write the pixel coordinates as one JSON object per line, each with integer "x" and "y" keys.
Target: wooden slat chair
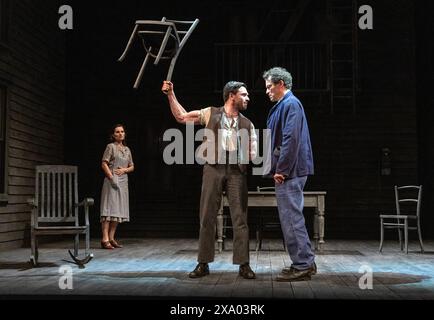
{"x": 408, "y": 200}
{"x": 55, "y": 209}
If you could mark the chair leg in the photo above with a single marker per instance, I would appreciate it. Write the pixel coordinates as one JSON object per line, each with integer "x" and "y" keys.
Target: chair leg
{"x": 420, "y": 237}
{"x": 406, "y": 235}
{"x": 87, "y": 241}
{"x": 400, "y": 239}
{"x": 76, "y": 243}
{"x": 258, "y": 232}
{"x": 34, "y": 251}
{"x": 225, "y": 224}
{"x": 381, "y": 234}
{"x": 257, "y": 241}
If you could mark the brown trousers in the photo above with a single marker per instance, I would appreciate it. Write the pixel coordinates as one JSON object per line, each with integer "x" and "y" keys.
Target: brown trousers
{"x": 216, "y": 179}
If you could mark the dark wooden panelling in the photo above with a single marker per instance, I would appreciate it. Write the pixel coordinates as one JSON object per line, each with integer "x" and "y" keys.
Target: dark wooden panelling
{"x": 34, "y": 63}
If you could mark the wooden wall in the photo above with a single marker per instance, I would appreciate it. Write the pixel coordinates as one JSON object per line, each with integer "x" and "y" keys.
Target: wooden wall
{"x": 32, "y": 63}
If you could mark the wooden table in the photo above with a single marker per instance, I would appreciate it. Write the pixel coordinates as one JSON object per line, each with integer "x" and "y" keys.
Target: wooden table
{"x": 312, "y": 199}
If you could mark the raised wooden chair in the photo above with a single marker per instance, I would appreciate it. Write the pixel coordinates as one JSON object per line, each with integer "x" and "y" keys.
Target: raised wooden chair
{"x": 55, "y": 209}
{"x": 175, "y": 31}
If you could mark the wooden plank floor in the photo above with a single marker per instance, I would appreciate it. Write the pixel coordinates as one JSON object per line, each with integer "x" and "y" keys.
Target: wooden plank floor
{"x": 159, "y": 268}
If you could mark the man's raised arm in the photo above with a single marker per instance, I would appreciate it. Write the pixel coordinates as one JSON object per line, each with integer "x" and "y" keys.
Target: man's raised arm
{"x": 180, "y": 114}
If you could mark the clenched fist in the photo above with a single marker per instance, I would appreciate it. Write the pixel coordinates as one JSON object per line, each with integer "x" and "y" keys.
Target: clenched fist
{"x": 167, "y": 87}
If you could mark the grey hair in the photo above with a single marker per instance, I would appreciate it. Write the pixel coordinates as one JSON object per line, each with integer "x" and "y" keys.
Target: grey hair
{"x": 276, "y": 74}
{"x": 232, "y": 87}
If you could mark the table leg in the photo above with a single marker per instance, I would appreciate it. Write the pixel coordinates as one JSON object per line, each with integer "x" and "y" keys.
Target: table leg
{"x": 321, "y": 220}
{"x": 220, "y": 228}
{"x": 315, "y": 228}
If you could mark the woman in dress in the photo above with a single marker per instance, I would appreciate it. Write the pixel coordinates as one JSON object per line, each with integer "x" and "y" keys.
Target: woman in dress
{"x": 117, "y": 162}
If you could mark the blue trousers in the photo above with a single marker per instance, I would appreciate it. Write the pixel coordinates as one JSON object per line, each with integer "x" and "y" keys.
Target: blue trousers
{"x": 290, "y": 201}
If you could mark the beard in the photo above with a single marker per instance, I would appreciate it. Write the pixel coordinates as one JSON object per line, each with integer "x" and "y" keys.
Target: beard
{"x": 241, "y": 106}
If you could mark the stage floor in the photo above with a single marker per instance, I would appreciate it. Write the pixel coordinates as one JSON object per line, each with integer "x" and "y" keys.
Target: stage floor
{"x": 158, "y": 268}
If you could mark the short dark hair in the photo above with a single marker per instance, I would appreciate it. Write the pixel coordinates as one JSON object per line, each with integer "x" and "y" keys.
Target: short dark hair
{"x": 276, "y": 74}
{"x": 232, "y": 87}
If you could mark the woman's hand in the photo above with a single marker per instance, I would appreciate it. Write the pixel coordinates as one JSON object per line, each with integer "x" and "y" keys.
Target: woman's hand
{"x": 120, "y": 171}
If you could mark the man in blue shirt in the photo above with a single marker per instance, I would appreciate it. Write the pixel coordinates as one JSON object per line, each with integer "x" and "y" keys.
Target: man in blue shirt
{"x": 291, "y": 163}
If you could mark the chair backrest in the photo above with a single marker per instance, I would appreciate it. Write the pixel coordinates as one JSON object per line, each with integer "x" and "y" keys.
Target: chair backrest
{"x": 408, "y": 200}
{"x": 56, "y": 194}
{"x": 259, "y": 189}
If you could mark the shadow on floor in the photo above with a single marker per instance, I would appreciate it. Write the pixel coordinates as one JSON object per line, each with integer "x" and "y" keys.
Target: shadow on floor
{"x": 23, "y": 266}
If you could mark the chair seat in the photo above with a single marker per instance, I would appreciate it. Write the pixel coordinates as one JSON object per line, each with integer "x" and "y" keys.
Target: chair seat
{"x": 396, "y": 226}
{"x": 396, "y": 216}
{"x": 60, "y": 230}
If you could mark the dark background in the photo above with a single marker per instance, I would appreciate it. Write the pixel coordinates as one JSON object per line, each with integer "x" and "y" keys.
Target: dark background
{"x": 393, "y": 107}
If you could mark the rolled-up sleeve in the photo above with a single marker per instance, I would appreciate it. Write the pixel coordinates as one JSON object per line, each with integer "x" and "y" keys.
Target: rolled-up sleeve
{"x": 204, "y": 116}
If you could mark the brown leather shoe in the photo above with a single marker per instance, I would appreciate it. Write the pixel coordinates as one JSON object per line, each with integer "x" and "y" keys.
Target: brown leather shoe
{"x": 313, "y": 269}
{"x": 116, "y": 244}
{"x": 246, "y": 272}
{"x": 106, "y": 245}
{"x": 295, "y": 275}
{"x": 201, "y": 270}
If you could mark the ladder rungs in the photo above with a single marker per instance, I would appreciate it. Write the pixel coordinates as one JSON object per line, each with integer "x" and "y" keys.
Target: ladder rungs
{"x": 344, "y": 90}
{"x": 343, "y": 24}
{"x": 341, "y": 43}
{"x": 341, "y": 7}
{"x": 282, "y": 11}
{"x": 342, "y": 61}
{"x": 343, "y": 97}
